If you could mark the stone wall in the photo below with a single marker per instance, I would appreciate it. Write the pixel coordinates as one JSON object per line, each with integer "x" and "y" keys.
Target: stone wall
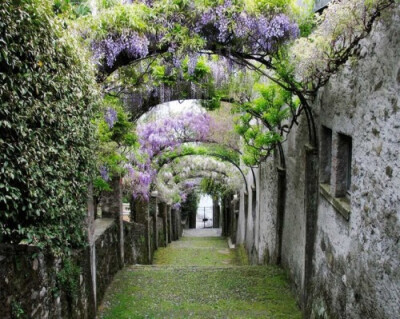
{"x": 340, "y": 247}
{"x": 31, "y": 285}
{"x": 357, "y": 246}
{"x": 135, "y": 244}
{"x": 108, "y": 261}
{"x": 268, "y": 184}
{"x": 161, "y": 234}
{"x": 30, "y": 282}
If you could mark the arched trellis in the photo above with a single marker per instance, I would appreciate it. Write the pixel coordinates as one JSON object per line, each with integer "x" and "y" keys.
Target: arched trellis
{"x": 216, "y": 155}
{"x": 199, "y": 141}
{"x": 196, "y": 171}
{"x": 306, "y": 97}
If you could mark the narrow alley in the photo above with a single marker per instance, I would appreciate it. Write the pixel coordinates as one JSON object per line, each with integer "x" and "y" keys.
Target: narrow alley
{"x": 199, "y": 277}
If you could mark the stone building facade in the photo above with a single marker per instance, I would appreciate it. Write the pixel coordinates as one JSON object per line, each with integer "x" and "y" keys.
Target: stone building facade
{"x": 334, "y": 225}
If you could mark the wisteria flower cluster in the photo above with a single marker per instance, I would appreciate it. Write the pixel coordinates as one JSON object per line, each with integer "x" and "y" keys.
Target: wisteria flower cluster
{"x": 132, "y": 44}
{"x": 246, "y": 31}
{"x": 110, "y": 117}
{"x": 140, "y": 180}
{"x": 104, "y": 173}
{"x": 157, "y": 137}
{"x": 165, "y": 134}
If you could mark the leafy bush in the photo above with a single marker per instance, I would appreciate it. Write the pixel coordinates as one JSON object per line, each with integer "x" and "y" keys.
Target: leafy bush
{"x": 48, "y": 98}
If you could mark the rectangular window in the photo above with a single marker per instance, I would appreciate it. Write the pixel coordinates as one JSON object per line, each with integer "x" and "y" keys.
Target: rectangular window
{"x": 326, "y": 155}
{"x": 349, "y": 146}
{"x": 343, "y": 169}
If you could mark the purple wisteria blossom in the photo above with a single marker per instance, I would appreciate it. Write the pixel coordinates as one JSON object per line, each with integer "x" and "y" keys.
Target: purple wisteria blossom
{"x": 176, "y": 61}
{"x": 160, "y": 136}
{"x": 176, "y": 206}
{"x": 133, "y": 44}
{"x": 168, "y": 133}
{"x": 190, "y": 184}
{"x": 183, "y": 197}
{"x": 246, "y": 31}
{"x": 104, "y": 173}
{"x": 110, "y": 117}
{"x": 193, "y": 58}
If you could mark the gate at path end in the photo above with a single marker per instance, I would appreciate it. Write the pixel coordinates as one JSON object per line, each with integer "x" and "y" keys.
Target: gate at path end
{"x": 204, "y": 217}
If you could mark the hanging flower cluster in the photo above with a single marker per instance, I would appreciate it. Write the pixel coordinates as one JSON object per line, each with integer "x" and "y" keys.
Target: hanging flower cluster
{"x": 110, "y": 117}
{"x": 157, "y": 137}
{"x": 132, "y": 44}
{"x": 165, "y": 134}
{"x": 247, "y": 32}
{"x": 104, "y": 173}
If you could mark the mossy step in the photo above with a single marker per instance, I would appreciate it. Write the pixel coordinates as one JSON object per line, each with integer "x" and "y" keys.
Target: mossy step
{"x": 188, "y": 281}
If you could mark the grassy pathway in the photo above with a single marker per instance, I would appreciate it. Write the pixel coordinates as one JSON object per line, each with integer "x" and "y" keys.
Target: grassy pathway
{"x": 199, "y": 278}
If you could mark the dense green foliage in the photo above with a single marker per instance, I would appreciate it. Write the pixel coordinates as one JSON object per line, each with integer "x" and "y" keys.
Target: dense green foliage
{"x": 115, "y": 142}
{"x": 214, "y": 188}
{"x": 48, "y": 98}
{"x": 262, "y": 121}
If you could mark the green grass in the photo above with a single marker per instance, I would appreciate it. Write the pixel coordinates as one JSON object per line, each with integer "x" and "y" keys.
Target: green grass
{"x": 197, "y": 278}
{"x": 195, "y": 251}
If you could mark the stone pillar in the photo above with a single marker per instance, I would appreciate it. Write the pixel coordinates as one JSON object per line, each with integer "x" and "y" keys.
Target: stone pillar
{"x": 132, "y": 213}
{"x": 232, "y": 217}
{"x": 154, "y": 215}
{"x": 235, "y": 217}
{"x": 111, "y": 207}
{"x": 192, "y": 219}
{"x": 280, "y": 212}
{"x": 142, "y": 217}
{"x": 92, "y": 246}
{"x": 223, "y": 221}
{"x": 175, "y": 223}
{"x": 169, "y": 223}
{"x": 163, "y": 212}
{"x": 311, "y": 210}
{"x": 216, "y": 213}
{"x": 179, "y": 223}
{"x": 226, "y": 216}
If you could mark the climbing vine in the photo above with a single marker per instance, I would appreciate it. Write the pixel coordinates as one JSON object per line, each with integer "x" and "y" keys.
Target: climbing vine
{"x": 144, "y": 54}
{"x": 49, "y": 97}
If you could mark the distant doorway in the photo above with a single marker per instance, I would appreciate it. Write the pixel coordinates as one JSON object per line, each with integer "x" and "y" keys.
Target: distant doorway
{"x": 204, "y": 214}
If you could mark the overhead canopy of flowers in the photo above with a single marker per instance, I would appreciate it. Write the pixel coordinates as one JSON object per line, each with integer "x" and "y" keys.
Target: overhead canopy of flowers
{"x": 157, "y": 137}
{"x": 178, "y": 178}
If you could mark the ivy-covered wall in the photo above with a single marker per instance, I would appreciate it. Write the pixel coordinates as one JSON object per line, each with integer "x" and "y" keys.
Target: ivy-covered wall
{"x": 48, "y": 97}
